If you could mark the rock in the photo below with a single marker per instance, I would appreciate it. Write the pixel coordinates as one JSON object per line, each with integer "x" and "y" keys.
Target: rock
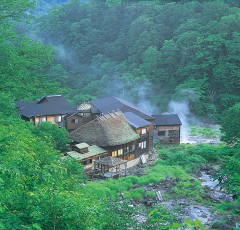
{"x": 149, "y": 203}
{"x": 204, "y": 215}
{"x": 221, "y": 226}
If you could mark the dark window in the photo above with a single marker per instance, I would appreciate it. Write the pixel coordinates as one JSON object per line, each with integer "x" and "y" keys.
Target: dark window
{"x": 74, "y": 121}
{"x": 161, "y": 133}
{"x": 87, "y": 162}
{"x": 172, "y": 133}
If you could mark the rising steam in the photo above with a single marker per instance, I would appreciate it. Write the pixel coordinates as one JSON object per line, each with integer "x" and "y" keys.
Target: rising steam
{"x": 182, "y": 109}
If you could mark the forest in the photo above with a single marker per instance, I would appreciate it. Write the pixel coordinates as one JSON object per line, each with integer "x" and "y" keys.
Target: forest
{"x": 146, "y": 50}
{"x": 149, "y": 52}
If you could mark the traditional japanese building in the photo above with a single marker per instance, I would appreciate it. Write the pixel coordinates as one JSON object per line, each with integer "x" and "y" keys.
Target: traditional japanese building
{"x": 142, "y": 128}
{"x": 50, "y": 108}
{"x": 86, "y": 154}
{"x": 104, "y": 106}
{"x": 113, "y": 133}
{"x": 167, "y": 128}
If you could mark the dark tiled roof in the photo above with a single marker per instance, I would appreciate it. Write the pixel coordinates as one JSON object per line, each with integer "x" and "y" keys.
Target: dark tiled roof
{"x": 108, "y": 130}
{"x": 113, "y": 104}
{"x": 48, "y": 105}
{"x": 21, "y": 104}
{"x": 166, "y": 119}
{"x": 136, "y": 121}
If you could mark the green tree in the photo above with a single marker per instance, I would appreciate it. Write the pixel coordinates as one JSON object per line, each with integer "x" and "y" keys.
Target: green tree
{"x": 165, "y": 43}
{"x": 229, "y": 173}
{"x": 231, "y": 125}
{"x": 38, "y": 186}
{"x": 53, "y": 134}
{"x": 15, "y": 10}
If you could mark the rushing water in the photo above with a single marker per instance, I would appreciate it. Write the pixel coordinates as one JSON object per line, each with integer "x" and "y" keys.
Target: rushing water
{"x": 215, "y": 191}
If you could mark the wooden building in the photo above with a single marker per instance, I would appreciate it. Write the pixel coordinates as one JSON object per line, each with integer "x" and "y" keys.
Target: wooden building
{"x": 86, "y": 154}
{"x": 110, "y": 167}
{"x": 142, "y": 128}
{"x": 51, "y": 108}
{"x": 109, "y": 104}
{"x": 89, "y": 111}
{"x": 111, "y": 132}
{"x": 167, "y": 128}
{"x": 82, "y": 116}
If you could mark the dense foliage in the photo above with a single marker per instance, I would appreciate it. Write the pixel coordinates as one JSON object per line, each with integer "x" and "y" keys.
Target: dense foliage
{"x": 142, "y": 49}
{"x": 231, "y": 125}
{"x": 149, "y": 50}
{"x": 53, "y": 134}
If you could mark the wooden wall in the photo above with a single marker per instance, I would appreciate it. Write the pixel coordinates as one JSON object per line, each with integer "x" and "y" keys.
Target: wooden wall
{"x": 168, "y": 137}
{"x": 50, "y": 118}
{"x": 81, "y": 121}
{"x": 126, "y": 156}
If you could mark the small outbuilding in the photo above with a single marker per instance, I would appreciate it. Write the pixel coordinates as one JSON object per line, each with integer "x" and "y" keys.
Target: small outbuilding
{"x": 110, "y": 167}
{"x": 167, "y": 128}
{"x": 87, "y": 154}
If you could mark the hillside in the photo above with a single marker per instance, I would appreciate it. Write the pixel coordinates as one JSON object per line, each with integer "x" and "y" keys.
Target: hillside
{"x": 150, "y": 52}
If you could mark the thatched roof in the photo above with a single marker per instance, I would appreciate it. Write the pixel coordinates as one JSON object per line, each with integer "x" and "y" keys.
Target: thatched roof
{"x": 110, "y": 161}
{"x": 85, "y": 107}
{"x": 108, "y": 130}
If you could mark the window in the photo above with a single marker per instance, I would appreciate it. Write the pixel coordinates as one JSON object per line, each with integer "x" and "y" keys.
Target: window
{"x": 142, "y": 145}
{"x": 43, "y": 119}
{"x": 114, "y": 153}
{"x": 172, "y": 133}
{"x": 87, "y": 162}
{"x": 58, "y": 119}
{"x": 161, "y": 133}
{"x": 85, "y": 114}
{"x": 120, "y": 152}
{"x": 74, "y": 121}
{"x": 129, "y": 149}
{"x": 126, "y": 150}
{"x": 144, "y": 131}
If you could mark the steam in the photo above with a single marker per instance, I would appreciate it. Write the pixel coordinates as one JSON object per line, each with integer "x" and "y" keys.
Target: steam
{"x": 144, "y": 102}
{"x": 182, "y": 109}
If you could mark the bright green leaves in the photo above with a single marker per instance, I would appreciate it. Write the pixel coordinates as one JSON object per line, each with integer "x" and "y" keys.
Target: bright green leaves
{"x": 231, "y": 125}
{"x": 162, "y": 218}
{"x": 121, "y": 45}
{"x": 15, "y": 10}
{"x": 23, "y": 70}
{"x": 229, "y": 174}
{"x": 53, "y": 134}
{"x": 39, "y": 188}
